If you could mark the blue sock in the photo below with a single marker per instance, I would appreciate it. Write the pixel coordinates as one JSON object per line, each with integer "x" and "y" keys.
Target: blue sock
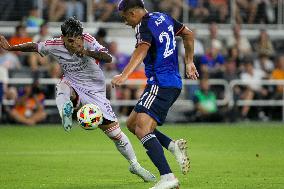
{"x": 156, "y": 153}
{"x": 163, "y": 139}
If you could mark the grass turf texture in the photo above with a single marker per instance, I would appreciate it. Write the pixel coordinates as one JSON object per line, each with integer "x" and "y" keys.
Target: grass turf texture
{"x": 223, "y": 156}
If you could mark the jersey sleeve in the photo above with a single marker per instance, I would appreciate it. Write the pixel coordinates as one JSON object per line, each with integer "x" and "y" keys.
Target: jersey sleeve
{"x": 93, "y": 44}
{"x": 178, "y": 26}
{"x": 143, "y": 34}
{"x": 43, "y": 48}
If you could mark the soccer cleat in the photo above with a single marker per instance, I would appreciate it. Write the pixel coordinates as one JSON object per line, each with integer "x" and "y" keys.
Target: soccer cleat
{"x": 180, "y": 153}
{"x": 138, "y": 170}
{"x": 67, "y": 112}
{"x": 167, "y": 183}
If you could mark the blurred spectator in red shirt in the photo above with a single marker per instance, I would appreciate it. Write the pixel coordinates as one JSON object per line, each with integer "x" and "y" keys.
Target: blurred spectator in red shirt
{"x": 29, "y": 108}
{"x": 20, "y": 36}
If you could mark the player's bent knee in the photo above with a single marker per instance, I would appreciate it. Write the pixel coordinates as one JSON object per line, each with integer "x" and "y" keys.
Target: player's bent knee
{"x": 141, "y": 130}
{"x": 110, "y": 126}
{"x": 131, "y": 126}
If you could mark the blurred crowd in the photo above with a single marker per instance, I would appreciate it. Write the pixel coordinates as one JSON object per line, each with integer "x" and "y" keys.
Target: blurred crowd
{"x": 250, "y": 61}
{"x": 216, "y": 57}
{"x": 199, "y": 11}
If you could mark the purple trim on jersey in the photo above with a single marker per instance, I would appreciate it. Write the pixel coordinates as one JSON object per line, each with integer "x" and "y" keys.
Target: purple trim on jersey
{"x": 142, "y": 42}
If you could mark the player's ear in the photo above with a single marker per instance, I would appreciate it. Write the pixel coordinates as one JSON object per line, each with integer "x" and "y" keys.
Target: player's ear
{"x": 131, "y": 12}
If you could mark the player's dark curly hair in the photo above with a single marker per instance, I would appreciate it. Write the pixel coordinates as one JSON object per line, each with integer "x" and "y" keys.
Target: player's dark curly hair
{"x": 125, "y": 5}
{"x": 72, "y": 27}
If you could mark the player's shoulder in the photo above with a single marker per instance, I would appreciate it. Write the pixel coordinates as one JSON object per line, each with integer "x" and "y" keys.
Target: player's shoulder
{"x": 156, "y": 15}
{"x": 156, "y": 19}
{"x": 88, "y": 37}
{"x": 145, "y": 23}
{"x": 54, "y": 42}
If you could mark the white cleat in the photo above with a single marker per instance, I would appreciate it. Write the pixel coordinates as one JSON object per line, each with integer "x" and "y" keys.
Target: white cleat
{"x": 138, "y": 170}
{"x": 67, "y": 112}
{"x": 180, "y": 153}
{"x": 167, "y": 183}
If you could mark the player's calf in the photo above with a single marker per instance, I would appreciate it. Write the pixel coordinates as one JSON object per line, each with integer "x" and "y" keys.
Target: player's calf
{"x": 67, "y": 112}
{"x": 124, "y": 146}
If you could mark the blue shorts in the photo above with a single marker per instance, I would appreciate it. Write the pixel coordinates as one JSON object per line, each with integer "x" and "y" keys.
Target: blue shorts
{"x": 156, "y": 102}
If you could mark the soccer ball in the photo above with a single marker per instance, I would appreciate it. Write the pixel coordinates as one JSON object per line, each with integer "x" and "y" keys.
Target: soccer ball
{"x": 90, "y": 116}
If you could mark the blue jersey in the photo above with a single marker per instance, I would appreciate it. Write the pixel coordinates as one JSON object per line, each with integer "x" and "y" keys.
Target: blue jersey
{"x": 158, "y": 30}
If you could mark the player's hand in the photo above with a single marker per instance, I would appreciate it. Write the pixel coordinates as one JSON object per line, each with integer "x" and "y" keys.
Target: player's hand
{"x": 118, "y": 80}
{"x": 191, "y": 71}
{"x": 4, "y": 43}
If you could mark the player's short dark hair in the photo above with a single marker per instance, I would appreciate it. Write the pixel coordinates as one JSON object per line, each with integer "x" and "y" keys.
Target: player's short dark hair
{"x": 72, "y": 27}
{"x": 125, "y": 5}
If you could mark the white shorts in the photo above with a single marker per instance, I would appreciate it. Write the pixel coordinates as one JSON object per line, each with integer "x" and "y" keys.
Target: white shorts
{"x": 97, "y": 98}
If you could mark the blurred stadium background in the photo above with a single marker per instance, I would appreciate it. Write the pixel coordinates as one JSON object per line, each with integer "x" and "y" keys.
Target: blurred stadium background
{"x": 238, "y": 47}
{"x": 239, "y": 54}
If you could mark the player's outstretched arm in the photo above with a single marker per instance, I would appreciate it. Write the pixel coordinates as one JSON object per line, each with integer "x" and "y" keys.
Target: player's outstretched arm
{"x": 137, "y": 58}
{"x": 188, "y": 42}
{"x": 98, "y": 55}
{"x": 25, "y": 47}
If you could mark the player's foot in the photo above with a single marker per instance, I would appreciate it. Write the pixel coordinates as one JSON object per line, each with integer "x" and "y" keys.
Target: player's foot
{"x": 138, "y": 170}
{"x": 67, "y": 112}
{"x": 168, "y": 181}
{"x": 180, "y": 153}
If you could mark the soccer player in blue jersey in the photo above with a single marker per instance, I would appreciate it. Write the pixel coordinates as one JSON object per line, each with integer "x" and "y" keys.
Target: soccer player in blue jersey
{"x": 156, "y": 47}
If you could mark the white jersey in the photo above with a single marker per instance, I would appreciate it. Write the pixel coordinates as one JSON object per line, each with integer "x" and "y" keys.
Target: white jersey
{"x": 83, "y": 73}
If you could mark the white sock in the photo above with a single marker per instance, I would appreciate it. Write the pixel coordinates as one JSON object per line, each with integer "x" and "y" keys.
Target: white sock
{"x": 63, "y": 93}
{"x": 171, "y": 147}
{"x": 169, "y": 176}
{"x": 122, "y": 143}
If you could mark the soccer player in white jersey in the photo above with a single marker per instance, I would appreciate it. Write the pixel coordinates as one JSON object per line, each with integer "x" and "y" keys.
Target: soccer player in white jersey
{"x": 83, "y": 82}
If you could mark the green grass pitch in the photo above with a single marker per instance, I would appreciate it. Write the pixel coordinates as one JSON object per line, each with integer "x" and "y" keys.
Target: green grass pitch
{"x": 225, "y": 156}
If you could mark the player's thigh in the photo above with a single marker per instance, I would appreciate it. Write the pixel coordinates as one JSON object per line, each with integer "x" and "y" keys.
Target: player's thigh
{"x": 100, "y": 100}
{"x": 145, "y": 124}
{"x": 131, "y": 121}
{"x": 63, "y": 87}
{"x": 156, "y": 102}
